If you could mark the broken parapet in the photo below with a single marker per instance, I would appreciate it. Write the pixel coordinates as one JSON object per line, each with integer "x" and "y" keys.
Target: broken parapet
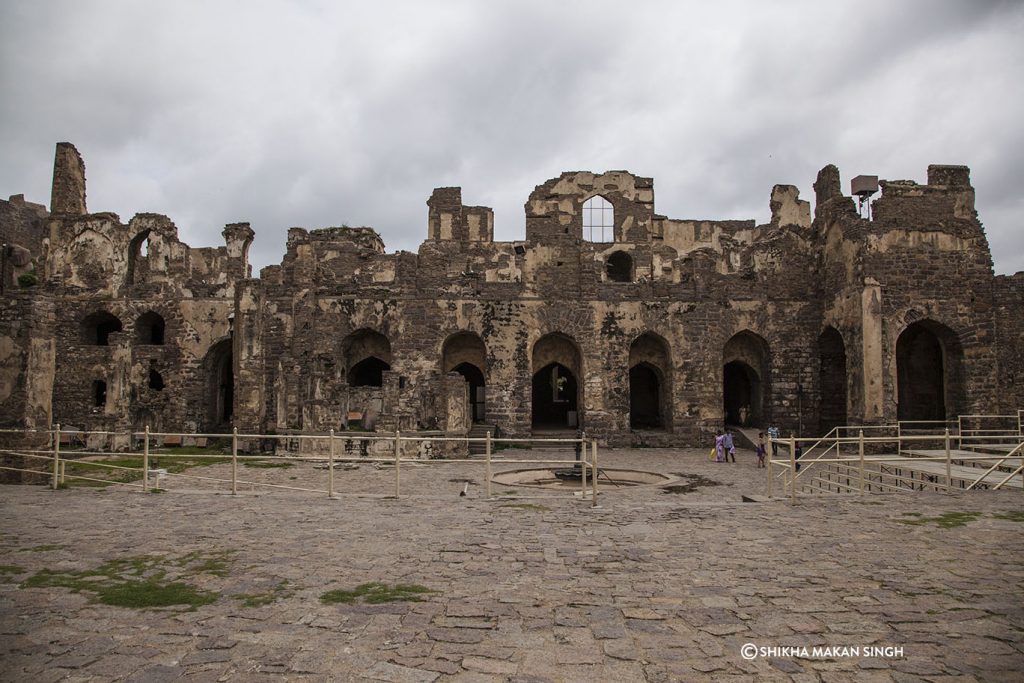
{"x": 238, "y": 238}
{"x": 554, "y": 211}
{"x": 945, "y": 204}
{"x": 68, "y": 193}
{"x": 449, "y": 219}
{"x": 788, "y": 209}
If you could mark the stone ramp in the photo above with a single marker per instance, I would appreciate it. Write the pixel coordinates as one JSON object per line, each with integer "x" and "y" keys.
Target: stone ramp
{"x": 746, "y": 437}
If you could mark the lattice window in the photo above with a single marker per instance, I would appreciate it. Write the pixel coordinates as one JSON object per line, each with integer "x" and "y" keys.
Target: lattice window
{"x": 598, "y": 220}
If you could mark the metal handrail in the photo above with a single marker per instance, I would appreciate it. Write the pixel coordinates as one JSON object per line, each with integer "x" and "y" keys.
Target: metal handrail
{"x": 586, "y": 457}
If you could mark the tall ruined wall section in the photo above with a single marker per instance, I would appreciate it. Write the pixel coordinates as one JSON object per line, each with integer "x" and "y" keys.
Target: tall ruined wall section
{"x": 932, "y": 256}
{"x": 336, "y": 283}
{"x": 139, "y": 312}
{"x": 1008, "y": 300}
{"x": 922, "y": 258}
{"x": 22, "y": 225}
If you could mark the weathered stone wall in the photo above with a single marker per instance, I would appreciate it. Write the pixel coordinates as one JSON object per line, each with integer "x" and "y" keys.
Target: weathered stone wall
{"x": 796, "y": 322}
{"x": 22, "y": 226}
{"x": 1008, "y": 299}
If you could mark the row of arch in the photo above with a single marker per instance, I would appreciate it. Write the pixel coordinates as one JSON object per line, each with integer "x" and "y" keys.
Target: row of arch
{"x": 97, "y": 327}
{"x": 928, "y": 360}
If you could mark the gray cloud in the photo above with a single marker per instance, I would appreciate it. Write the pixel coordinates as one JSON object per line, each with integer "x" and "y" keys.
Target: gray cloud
{"x": 319, "y": 114}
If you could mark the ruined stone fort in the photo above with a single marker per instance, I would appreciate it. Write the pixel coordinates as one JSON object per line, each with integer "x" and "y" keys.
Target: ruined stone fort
{"x": 606, "y": 317}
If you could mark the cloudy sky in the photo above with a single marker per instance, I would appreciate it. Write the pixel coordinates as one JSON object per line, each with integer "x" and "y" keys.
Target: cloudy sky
{"x": 322, "y": 113}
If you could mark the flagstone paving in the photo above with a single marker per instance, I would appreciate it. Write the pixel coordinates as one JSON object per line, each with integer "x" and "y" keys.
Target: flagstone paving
{"x": 650, "y": 586}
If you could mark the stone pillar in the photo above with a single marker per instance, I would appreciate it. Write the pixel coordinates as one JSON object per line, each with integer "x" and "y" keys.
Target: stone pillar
{"x": 871, "y": 327}
{"x": 68, "y": 193}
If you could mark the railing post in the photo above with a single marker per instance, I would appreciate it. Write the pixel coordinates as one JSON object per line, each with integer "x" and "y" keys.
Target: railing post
{"x": 768, "y": 455}
{"x": 949, "y": 469}
{"x": 234, "y": 461}
{"x": 860, "y": 450}
{"x": 56, "y": 456}
{"x": 62, "y": 470}
{"x": 582, "y": 446}
{"x": 398, "y": 452}
{"x": 594, "y": 472}
{"x": 487, "y": 451}
{"x": 145, "y": 459}
{"x": 330, "y": 465}
{"x": 792, "y": 469}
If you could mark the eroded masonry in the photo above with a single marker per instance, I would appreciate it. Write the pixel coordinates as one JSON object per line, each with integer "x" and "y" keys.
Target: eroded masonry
{"x": 607, "y": 317}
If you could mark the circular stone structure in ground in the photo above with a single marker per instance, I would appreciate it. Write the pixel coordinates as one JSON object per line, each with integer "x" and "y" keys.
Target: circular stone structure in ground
{"x": 546, "y": 478}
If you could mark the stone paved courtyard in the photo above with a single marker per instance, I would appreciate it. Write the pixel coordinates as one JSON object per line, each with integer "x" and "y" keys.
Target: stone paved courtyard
{"x": 651, "y": 586}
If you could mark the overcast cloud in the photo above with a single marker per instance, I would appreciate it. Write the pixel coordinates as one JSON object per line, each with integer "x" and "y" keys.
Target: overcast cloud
{"x": 322, "y": 113}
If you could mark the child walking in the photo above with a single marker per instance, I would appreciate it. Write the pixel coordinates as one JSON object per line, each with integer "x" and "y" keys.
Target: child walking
{"x": 761, "y": 450}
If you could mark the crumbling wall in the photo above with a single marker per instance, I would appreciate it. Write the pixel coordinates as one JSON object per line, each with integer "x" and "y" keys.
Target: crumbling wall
{"x": 1008, "y": 299}
{"x": 277, "y": 353}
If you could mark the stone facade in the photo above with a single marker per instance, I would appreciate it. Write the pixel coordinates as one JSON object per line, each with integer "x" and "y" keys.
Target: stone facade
{"x": 637, "y": 328}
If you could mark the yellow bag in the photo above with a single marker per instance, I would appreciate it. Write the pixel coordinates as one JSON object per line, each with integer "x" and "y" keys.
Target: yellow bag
{"x": 714, "y": 454}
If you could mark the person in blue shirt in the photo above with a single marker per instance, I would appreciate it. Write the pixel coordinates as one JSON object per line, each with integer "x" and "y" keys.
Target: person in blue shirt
{"x": 729, "y": 446}
{"x": 773, "y": 434}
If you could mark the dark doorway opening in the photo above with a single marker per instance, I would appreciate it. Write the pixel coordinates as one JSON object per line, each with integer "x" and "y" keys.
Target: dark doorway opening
{"x": 742, "y": 392}
{"x": 645, "y": 397}
{"x": 465, "y": 353}
{"x": 921, "y": 375}
{"x": 832, "y": 379}
{"x": 97, "y": 328}
{"x": 221, "y": 369}
{"x": 149, "y": 328}
{"x": 555, "y": 396}
{"x": 99, "y": 393}
{"x": 156, "y": 382}
{"x": 475, "y": 377}
{"x": 368, "y": 372}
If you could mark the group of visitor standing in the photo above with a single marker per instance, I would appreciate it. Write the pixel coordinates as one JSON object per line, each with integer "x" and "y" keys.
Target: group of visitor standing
{"x": 725, "y": 446}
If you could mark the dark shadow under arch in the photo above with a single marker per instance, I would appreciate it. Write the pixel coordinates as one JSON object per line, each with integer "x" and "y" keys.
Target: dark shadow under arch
{"x": 745, "y": 373}
{"x": 220, "y": 385}
{"x": 831, "y": 379}
{"x": 555, "y": 394}
{"x": 929, "y": 373}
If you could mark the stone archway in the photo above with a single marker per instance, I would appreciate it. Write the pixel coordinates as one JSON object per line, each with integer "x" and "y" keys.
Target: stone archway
{"x": 466, "y": 354}
{"x": 650, "y": 387}
{"x": 367, "y": 355}
{"x": 831, "y": 379}
{"x": 929, "y": 373}
{"x": 556, "y": 392}
{"x": 745, "y": 373}
{"x": 220, "y": 385}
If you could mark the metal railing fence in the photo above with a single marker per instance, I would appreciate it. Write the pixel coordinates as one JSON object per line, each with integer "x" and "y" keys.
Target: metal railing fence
{"x": 51, "y": 457}
{"x": 869, "y": 471}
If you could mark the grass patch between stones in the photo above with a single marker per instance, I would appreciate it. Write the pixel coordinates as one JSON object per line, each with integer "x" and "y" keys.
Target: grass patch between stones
{"x": 96, "y": 470}
{"x": 269, "y": 464}
{"x": 946, "y": 520}
{"x": 7, "y": 570}
{"x": 1013, "y": 515}
{"x": 141, "y": 582}
{"x": 375, "y": 593}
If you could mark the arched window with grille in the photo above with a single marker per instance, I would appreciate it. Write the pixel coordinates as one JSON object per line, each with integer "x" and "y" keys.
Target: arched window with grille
{"x": 598, "y": 220}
